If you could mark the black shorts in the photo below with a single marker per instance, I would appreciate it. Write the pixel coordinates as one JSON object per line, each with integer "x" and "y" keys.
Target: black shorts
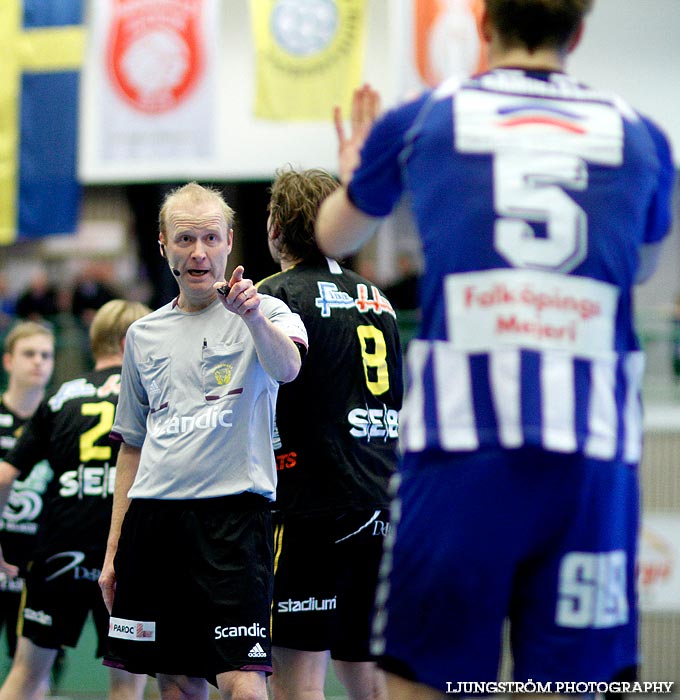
{"x": 325, "y": 579}
{"x": 193, "y": 587}
{"x": 10, "y": 599}
{"x": 61, "y": 589}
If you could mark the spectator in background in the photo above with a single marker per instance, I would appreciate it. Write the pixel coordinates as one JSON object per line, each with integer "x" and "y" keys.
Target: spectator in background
{"x": 92, "y": 289}
{"x": 39, "y": 301}
{"x": 8, "y": 305}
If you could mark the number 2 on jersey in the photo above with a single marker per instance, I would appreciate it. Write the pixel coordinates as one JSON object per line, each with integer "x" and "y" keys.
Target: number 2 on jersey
{"x": 88, "y": 450}
{"x": 374, "y": 356}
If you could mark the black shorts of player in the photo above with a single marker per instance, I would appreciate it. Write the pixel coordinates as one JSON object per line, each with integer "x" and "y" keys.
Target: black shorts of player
{"x": 193, "y": 587}
{"x": 61, "y": 589}
{"x": 324, "y": 585}
{"x": 10, "y": 601}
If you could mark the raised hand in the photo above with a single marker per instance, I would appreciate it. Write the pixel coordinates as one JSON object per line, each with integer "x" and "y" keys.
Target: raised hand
{"x": 365, "y": 110}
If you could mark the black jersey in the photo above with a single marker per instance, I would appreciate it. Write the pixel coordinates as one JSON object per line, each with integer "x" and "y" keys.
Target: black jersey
{"x": 19, "y": 520}
{"x": 71, "y": 430}
{"x": 338, "y": 421}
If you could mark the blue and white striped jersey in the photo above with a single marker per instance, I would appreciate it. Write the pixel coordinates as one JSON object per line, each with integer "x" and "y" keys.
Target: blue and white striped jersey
{"x": 533, "y": 196}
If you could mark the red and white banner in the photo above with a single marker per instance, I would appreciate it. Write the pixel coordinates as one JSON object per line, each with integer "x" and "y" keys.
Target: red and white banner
{"x": 150, "y": 86}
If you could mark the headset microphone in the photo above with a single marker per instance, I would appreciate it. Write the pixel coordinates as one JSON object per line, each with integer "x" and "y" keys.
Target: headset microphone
{"x": 174, "y": 270}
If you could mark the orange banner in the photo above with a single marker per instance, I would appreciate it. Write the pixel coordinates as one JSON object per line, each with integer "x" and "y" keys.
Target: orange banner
{"x": 448, "y": 40}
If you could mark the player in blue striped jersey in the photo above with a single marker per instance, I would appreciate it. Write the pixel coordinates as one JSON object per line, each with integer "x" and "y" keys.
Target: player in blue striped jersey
{"x": 539, "y": 203}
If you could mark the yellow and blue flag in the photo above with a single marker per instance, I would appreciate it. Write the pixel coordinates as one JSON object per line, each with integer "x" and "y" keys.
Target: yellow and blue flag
{"x": 42, "y": 46}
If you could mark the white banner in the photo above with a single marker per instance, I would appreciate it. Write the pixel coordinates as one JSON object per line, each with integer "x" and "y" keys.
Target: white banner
{"x": 247, "y": 147}
{"x": 659, "y": 563}
{"x": 149, "y": 90}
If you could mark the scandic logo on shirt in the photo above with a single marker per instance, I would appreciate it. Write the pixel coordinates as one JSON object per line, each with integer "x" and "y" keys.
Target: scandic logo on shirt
{"x": 132, "y": 630}
{"x": 255, "y": 630}
{"x": 206, "y": 420}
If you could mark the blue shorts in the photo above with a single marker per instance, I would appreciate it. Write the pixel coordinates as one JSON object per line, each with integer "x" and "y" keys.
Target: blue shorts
{"x": 546, "y": 540}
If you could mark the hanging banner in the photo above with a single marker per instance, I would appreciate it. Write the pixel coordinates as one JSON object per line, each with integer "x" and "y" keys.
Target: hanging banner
{"x": 150, "y": 86}
{"x": 448, "y": 42}
{"x": 43, "y": 47}
{"x": 659, "y": 563}
{"x": 309, "y": 57}
{"x": 438, "y": 40}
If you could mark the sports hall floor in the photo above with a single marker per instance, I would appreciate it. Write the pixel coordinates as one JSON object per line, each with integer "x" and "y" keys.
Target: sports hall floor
{"x": 84, "y": 677}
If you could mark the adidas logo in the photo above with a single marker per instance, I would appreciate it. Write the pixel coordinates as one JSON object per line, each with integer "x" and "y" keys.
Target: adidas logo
{"x": 257, "y": 652}
{"x": 154, "y": 388}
